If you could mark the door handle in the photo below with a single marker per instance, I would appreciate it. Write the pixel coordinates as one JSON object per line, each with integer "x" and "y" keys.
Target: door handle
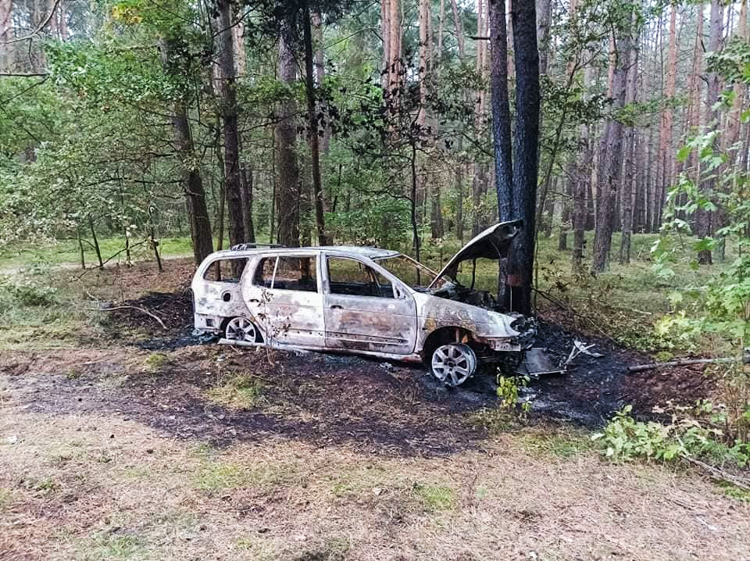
{"x": 336, "y": 307}
{"x": 254, "y": 301}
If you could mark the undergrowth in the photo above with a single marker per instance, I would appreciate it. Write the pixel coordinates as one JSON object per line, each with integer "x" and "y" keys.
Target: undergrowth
{"x": 693, "y": 433}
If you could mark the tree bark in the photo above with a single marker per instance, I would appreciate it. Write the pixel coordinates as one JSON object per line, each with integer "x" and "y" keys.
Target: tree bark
{"x": 459, "y": 172}
{"x": 666, "y": 159}
{"x": 526, "y": 153}
{"x": 6, "y": 33}
{"x": 610, "y": 172}
{"x": 195, "y": 196}
{"x": 628, "y": 184}
{"x": 732, "y": 134}
{"x": 501, "y": 134}
{"x": 320, "y": 75}
{"x": 582, "y": 185}
{"x": 288, "y": 186}
{"x": 247, "y": 204}
{"x": 314, "y": 136}
{"x": 704, "y": 219}
{"x": 228, "y": 93}
{"x": 240, "y": 54}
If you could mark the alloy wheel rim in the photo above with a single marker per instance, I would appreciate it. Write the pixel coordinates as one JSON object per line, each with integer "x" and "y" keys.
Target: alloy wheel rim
{"x": 241, "y": 329}
{"x": 452, "y": 364}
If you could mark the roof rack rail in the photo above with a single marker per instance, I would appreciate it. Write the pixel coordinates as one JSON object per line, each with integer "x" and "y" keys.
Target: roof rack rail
{"x": 244, "y": 246}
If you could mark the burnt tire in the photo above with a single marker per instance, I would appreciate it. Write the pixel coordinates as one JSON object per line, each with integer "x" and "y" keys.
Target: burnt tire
{"x": 453, "y": 363}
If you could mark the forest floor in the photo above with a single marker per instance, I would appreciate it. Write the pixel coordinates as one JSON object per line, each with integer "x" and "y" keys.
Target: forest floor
{"x": 120, "y": 439}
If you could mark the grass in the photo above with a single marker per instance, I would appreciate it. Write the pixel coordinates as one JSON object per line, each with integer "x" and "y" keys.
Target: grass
{"x": 154, "y": 362}
{"x": 563, "y": 444}
{"x": 105, "y": 545}
{"x": 435, "y": 497}
{"x": 6, "y": 498}
{"x": 55, "y": 252}
{"x": 242, "y": 391}
{"x": 217, "y": 475}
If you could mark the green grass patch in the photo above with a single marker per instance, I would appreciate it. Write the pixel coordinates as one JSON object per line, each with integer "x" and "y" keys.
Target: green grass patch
{"x": 217, "y": 476}
{"x": 742, "y": 495}
{"x": 55, "y": 252}
{"x": 435, "y": 497}
{"x": 242, "y": 391}
{"x": 108, "y": 545}
{"x": 564, "y": 444}
{"x": 154, "y": 362}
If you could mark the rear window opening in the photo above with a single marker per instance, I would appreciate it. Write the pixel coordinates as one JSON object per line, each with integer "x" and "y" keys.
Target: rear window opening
{"x": 226, "y": 270}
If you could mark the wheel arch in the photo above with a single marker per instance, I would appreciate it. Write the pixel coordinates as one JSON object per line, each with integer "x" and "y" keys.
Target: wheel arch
{"x": 443, "y": 335}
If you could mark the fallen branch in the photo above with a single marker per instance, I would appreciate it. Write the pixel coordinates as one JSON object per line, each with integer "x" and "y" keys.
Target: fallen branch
{"x": 144, "y": 310}
{"x": 123, "y": 307}
{"x": 683, "y": 362}
{"x": 718, "y": 473}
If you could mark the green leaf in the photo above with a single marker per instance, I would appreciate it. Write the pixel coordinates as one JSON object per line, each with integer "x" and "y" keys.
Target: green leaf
{"x": 683, "y": 153}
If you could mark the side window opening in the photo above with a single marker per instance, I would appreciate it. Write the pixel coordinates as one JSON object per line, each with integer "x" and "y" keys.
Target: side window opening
{"x": 226, "y": 270}
{"x": 288, "y": 273}
{"x": 353, "y": 278}
{"x": 264, "y": 272}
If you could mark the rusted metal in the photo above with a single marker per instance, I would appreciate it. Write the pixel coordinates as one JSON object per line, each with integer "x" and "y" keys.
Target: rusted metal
{"x": 292, "y": 302}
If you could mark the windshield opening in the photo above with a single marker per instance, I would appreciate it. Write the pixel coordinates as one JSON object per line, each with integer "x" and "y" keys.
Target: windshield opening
{"x": 411, "y": 272}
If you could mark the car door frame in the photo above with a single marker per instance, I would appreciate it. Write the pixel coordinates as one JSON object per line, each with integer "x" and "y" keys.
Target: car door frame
{"x": 303, "y": 324}
{"x": 373, "y": 323}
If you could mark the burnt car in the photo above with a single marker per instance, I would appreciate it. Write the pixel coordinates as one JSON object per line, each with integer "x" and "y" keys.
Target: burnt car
{"x": 362, "y": 300}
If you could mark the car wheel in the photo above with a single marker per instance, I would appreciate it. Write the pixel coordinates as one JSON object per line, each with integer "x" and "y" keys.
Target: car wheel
{"x": 453, "y": 363}
{"x": 242, "y": 329}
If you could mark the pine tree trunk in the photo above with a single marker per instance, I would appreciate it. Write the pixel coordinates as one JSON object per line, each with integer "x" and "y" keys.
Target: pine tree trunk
{"x": 459, "y": 173}
{"x": 666, "y": 159}
{"x": 704, "y": 219}
{"x": 288, "y": 186}
{"x": 582, "y": 185}
{"x": 228, "y": 93}
{"x": 628, "y": 183}
{"x": 247, "y": 204}
{"x": 526, "y": 154}
{"x": 314, "y": 137}
{"x": 732, "y": 134}
{"x": 610, "y": 172}
{"x": 320, "y": 75}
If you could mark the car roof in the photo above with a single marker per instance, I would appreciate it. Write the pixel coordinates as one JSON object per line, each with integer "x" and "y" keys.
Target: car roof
{"x": 343, "y": 250}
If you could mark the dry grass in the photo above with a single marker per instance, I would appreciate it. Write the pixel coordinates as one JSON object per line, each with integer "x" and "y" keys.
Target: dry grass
{"x": 100, "y": 486}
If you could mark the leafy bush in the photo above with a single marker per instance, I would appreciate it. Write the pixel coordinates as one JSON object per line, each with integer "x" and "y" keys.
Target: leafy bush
{"x": 624, "y": 439}
{"x": 26, "y": 291}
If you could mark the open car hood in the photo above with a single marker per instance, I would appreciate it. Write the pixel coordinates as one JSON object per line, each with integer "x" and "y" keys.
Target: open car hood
{"x": 493, "y": 243}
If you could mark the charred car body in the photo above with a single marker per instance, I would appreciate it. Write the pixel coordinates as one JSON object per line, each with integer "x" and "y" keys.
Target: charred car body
{"x": 361, "y": 300}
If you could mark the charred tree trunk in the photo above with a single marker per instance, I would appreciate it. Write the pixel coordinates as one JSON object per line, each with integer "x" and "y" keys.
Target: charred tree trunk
{"x": 526, "y": 152}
